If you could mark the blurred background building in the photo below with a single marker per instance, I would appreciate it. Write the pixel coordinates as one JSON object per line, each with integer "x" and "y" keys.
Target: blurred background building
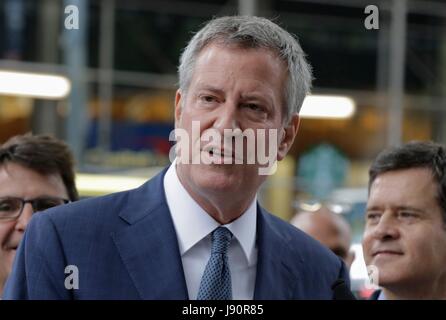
{"x": 101, "y": 74}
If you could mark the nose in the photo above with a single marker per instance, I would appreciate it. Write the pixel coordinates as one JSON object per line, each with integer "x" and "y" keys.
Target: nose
{"x": 387, "y": 228}
{"x": 227, "y": 117}
{"x": 24, "y": 218}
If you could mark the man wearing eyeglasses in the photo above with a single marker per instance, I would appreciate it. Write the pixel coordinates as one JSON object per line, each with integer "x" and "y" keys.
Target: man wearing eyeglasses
{"x": 36, "y": 173}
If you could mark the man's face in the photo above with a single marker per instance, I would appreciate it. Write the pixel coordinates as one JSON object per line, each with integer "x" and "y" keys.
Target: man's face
{"x": 18, "y": 181}
{"x": 232, "y": 88}
{"x": 405, "y": 236}
{"x": 329, "y": 229}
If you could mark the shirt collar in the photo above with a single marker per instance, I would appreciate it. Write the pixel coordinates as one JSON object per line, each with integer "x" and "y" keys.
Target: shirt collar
{"x": 381, "y": 295}
{"x": 244, "y": 230}
{"x": 192, "y": 223}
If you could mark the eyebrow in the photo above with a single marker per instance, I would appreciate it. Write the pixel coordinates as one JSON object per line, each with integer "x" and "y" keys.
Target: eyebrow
{"x": 206, "y": 87}
{"x": 377, "y": 208}
{"x": 410, "y": 208}
{"x": 374, "y": 208}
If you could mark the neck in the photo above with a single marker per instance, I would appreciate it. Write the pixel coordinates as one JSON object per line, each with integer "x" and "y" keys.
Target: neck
{"x": 221, "y": 206}
{"x": 434, "y": 291}
{"x": 223, "y": 212}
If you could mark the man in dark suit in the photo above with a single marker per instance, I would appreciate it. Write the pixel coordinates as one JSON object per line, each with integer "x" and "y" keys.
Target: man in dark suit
{"x": 195, "y": 231}
{"x": 405, "y": 234}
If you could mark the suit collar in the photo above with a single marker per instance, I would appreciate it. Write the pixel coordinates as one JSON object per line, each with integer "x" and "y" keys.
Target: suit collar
{"x": 275, "y": 279}
{"x": 148, "y": 244}
{"x": 149, "y": 249}
{"x": 143, "y": 200}
{"x": 192, "y": 223}
{"x": 377, "y": 295}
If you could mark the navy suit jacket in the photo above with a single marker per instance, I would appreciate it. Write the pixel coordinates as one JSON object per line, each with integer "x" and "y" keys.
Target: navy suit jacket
{"x": 124, "y": 246}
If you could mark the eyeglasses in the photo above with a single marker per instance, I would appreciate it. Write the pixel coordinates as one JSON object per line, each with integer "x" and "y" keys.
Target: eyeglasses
{"x": 11, "y": 207}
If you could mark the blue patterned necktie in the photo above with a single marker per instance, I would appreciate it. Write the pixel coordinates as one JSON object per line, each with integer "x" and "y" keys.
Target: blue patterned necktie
{"x": 216, "y": 281}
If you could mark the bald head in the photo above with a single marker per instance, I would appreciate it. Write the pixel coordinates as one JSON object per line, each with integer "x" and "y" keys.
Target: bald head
{"x": 330, "y": 229}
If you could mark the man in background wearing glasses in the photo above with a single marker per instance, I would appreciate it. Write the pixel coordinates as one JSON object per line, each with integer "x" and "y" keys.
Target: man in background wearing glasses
{"x": 36, "y": 173}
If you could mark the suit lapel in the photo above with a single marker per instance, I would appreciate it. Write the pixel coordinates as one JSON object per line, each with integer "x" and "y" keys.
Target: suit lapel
{"x": 274, "y": 279}
{"x": 149, "y": 249}
{"x": 148, "y": 246}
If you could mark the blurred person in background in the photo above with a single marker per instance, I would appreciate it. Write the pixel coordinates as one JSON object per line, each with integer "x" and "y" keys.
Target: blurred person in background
{"x": 195, "y": 231}
{"x": 329, "y": 228}
{"x": 405, "y": 231}
{"x": 36, "y": 173}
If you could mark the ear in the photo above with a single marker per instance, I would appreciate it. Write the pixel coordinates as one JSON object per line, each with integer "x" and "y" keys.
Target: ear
{"x": 288, "y": 134}
{"x": 178, "y": 109}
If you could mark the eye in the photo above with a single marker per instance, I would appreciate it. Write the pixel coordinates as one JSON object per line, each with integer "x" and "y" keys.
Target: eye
{"x": 8, "y": 205}
{"x": 43, "y": 204}
{"x": 208, "y": 98}
{"x": 254, "y": 107}
{"x": 373, "y": 217}
{"x": 407, "y": 215}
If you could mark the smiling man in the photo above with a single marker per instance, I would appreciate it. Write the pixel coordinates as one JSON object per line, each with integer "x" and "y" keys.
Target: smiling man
{"x": 196, "y": 231}
{"x": 36, "y": 173}
{"x": 405, "y": 232}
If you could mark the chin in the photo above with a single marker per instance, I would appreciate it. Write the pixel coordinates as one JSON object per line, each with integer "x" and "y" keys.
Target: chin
{"x": 228, "y": 178}
{"x": 11, "y": 255}
{"x": 391, "y": 274}
{"x": 8, "y": 259}
{"x": 391, "y": 279}
{"x": 215, "y": 178}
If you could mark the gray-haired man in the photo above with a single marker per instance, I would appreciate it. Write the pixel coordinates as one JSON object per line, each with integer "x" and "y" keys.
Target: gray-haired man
{"x": 196, "y": 231}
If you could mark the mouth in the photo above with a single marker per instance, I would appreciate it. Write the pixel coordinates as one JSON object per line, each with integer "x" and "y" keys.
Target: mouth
{"x": 384, "y": 253}
{"x": 11, "y": 247}
{"x": 218, "y": 152}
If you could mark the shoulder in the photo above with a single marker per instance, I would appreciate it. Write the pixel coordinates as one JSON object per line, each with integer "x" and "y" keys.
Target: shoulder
{"x": 303, "y": 247}
{"x": 102, "y": 215}
{"x": 86, "y": 211}
{"x": 106, "y": 210}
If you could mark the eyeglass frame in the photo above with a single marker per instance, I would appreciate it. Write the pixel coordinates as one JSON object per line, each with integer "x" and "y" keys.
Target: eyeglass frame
{"x": 32, "y": 202}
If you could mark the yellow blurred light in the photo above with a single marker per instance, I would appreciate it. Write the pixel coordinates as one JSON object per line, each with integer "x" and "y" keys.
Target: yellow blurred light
{"x": 34, "y": 85}
{"x": 90, "y": 185}
{"x": 330, "y": 107}
{"x": 310, "y": 207}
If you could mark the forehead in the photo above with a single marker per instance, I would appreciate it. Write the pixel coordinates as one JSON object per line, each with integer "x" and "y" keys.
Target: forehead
{"x": 233, "y": 59}
{"x": 404, "y": 187}
{"x": 19, "y": 181}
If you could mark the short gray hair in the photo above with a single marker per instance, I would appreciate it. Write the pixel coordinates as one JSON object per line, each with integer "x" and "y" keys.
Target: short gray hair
{"x": 253, "y": 32}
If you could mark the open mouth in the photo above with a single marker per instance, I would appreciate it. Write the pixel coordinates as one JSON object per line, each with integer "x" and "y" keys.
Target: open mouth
{"x": 219, "y": 153}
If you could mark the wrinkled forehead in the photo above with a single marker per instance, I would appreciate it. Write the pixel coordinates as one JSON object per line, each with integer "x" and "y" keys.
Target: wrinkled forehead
{"x": 242, "y": 47}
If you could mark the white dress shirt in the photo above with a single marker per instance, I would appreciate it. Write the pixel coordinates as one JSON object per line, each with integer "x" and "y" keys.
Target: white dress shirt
{"x": 194, "y": 226}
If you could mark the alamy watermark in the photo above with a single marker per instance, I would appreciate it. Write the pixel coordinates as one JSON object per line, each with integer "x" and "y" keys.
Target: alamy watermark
{"x": 72, "y": 279}
{"x": 72, "y": 19}
{"x": 372, "y": 20}
{"x": 372, "y": 281}
{"x": 251, "y": 146}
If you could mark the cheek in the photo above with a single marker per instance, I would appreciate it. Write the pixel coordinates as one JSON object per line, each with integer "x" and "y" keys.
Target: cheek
{"x": 366, "y": 245}
{"x": 6, "y": 229}
{"x": 269, "y": 138}
{"x": 427, "y": 246}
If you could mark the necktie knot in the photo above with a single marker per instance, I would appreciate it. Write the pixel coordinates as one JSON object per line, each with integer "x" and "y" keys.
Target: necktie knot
{"x": 221, "y": 237}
